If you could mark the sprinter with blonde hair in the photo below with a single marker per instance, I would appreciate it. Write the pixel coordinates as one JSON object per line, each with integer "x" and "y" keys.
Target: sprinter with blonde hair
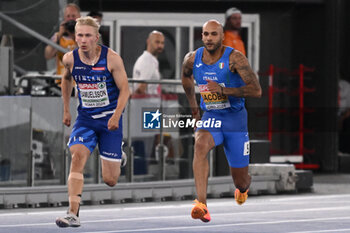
{"x": 103, "y": 92}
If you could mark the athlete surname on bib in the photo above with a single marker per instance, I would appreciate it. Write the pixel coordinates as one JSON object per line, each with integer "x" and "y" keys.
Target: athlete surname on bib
{"x": 220, "y": 73}
{"x": 103, "y": 90}
{"x": 98, "y": 94}
{"x": 223, "y": 85}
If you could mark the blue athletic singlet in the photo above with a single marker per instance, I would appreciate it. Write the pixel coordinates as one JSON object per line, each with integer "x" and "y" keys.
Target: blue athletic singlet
{"x": 220, "y": 73}
{"x": 98, "y": 97}
{"x": 229, "y": 110}
{"x": 97, "y": 91}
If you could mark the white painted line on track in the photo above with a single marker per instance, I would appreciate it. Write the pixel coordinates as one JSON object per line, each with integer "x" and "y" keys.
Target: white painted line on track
{"x": 327, "y": 209}
{"x": 11, "y": 214}
{"x": 28, "y": 225}
{"x": 319, "y": 231}
{"x": 253, "y": 202}
{"x": 324, "y": 197}
{"x": 287, "y": 211}
{"x": 222, "y": 225}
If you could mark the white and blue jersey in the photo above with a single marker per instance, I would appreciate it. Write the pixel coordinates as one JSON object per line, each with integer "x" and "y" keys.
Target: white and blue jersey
{"x": 98, "y": 98}
{"x": 230, "y": 110}
{"x": 219, "y": 72}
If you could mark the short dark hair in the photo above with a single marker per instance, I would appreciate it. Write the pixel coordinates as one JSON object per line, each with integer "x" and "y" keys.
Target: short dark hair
{"x": 95, "y": 13}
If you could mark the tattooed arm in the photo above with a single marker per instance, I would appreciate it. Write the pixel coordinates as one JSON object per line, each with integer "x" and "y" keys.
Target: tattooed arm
{"x": 239, "y": 63}
{"x": 188, "y": 82}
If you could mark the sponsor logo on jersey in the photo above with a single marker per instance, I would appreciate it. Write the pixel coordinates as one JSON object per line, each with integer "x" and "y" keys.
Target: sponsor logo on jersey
{"x": 111, "y": 154}
{"x": 99, "y": 68}
{"x": 88, "y": 86}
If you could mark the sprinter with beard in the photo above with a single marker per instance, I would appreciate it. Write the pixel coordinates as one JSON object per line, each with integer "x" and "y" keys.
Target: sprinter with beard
{"x": 224, "y": 78}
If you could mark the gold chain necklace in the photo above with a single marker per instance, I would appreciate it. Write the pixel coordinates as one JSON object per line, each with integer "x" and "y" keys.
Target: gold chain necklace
{"x": 90, "y": 62}
{"x": 93, "y": 61}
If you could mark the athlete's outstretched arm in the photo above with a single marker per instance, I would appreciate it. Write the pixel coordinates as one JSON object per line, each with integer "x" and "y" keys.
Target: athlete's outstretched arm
{"x": 66, "y": 87}
{"x": 116, "y": 67}
{"x": 188, "y": 83}
{"x": 239, "y": 63}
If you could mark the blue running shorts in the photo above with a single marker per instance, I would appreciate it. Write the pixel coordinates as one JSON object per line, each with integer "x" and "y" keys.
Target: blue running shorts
{"x": 233, "y": 133}
{"x": 89, "y": 132}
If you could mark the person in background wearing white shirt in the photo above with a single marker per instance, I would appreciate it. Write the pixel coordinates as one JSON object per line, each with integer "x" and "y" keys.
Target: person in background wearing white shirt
{"x": 147, "y": 65}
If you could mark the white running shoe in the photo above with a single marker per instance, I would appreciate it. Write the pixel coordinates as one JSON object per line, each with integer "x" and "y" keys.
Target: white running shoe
{"x": 70, "y": 220}
{"x": 124, "y": 159}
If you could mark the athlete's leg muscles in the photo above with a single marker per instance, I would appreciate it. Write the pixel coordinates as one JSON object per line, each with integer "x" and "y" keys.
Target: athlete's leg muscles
{"x": 110, "y": 171}
{"x": 80, "y": 154}
{"x": 241, "y": 178}
{"x": 204, "y": 142}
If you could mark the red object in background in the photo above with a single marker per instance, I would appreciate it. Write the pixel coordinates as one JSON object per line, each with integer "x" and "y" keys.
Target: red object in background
{"x": 301, "y": 90}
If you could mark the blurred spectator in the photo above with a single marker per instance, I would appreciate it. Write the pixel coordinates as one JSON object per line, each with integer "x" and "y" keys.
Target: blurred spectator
{"x": 344, "y": 116}
{"x": 64, "y": 37}
{"x": 232, "y": 30}
{"x": 147, "y": 65}
{"x": 96, "y": 15}
{"x": 104, "y": 32}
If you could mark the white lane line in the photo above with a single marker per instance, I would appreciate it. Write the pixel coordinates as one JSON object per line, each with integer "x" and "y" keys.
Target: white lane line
{"x": 319, "y": 231}
{"x": 128, "y": 208}
{"x": 325, "y": 197}
{"x": 254, "y": 202}
{"x": 137, "y": 219}
{"x": 11, "y": 214}
{"x": 222, "y": 214}
{"x": 28, "y": 225}
{"x": 223, "y": 225}
{"x": 111, "y": 209}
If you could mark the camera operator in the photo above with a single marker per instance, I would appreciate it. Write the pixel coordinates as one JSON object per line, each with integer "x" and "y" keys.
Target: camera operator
{"x": 64, "y": 37}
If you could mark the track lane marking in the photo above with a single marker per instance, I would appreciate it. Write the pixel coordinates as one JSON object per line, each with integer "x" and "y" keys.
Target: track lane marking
{"x": 186, "y": 216}
{"x": 222, "y": 225}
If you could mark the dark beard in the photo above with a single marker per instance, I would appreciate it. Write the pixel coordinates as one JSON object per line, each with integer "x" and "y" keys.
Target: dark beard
{"x": 216, "y": 46}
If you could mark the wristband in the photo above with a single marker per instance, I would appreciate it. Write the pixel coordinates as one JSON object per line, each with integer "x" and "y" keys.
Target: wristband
{"x": 222, "y": 90}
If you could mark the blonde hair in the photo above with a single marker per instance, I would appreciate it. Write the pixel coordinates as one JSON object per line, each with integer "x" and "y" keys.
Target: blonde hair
{"x": 89, "y": 21}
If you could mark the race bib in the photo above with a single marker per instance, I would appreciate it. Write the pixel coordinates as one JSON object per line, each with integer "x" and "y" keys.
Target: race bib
{"x": 93, "y": 94}
{"x": 214, "y": 100}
